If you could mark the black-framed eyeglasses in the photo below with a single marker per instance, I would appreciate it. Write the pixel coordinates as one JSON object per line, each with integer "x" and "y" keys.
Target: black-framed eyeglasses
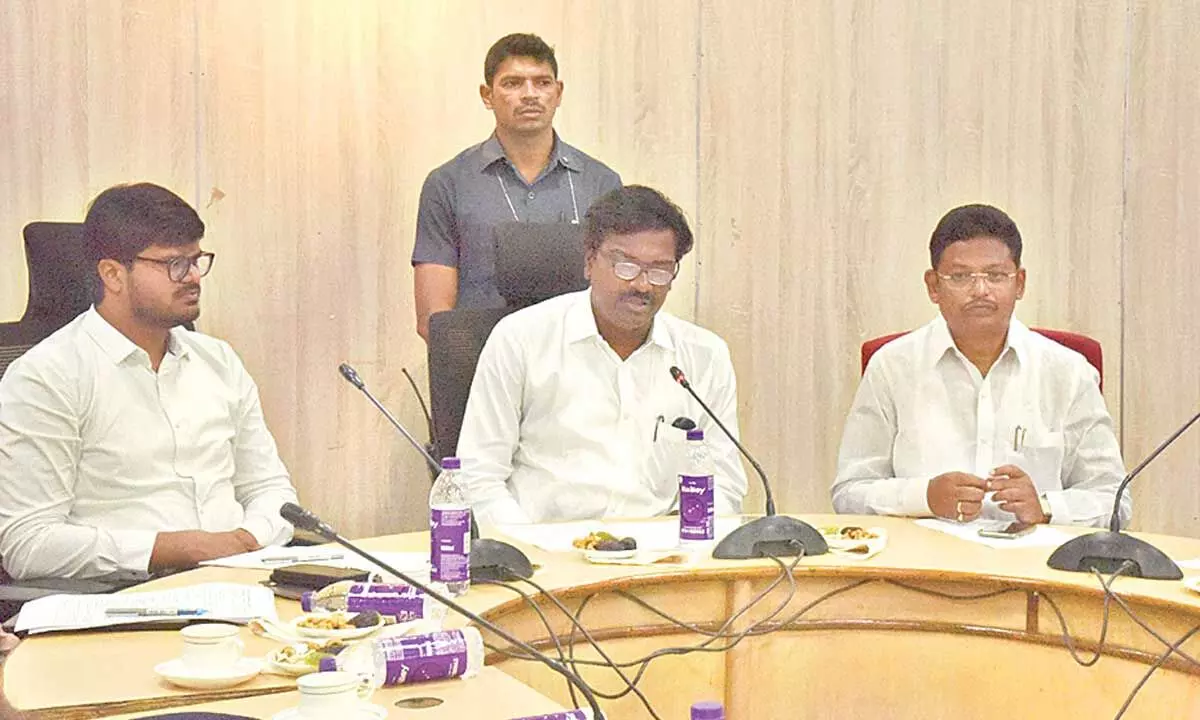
{"x": 630, "y": 271}
{"x": 179, "y": 266}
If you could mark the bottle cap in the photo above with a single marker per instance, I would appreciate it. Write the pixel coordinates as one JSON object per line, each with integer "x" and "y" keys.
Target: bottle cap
{"x": 695, "y": 434}
{"x": 306, "y": 601}
{"x": 708, "y": 711}
{"x": 451, "y": 463}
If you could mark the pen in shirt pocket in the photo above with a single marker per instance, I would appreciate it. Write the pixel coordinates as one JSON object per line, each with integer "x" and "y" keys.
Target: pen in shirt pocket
{"x": 657, "y": 422}
{"x": 1018, "y": 438}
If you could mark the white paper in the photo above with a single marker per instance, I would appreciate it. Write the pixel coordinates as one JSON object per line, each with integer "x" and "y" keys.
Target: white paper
{"x": 221, "y": 601}
{"x": 653, "y": 535}
{"x": 1193, "y": 564}
{"x": 1042, "y": 536}
{"x": 410, "y": 563}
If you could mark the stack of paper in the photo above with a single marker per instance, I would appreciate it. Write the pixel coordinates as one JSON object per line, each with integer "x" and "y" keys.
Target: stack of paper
{"x": 230, "y": 602}
{"x": 1042, "y": 536}
{"x": 415, "y": 565}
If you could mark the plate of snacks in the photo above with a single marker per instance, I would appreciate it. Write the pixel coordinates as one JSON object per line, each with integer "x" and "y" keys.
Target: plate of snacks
{"x": 338, "y": 625}
{"x": 304, "y": 657}
{"x": 600, "y": 546}
{"x": 854, "y": 540}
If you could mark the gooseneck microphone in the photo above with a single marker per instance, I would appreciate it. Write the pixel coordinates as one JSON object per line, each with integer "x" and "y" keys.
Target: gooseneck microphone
{"x": 491, "y": 560}
{"x": 1108, "y": 551}
{"x": 307, "y": 520}
{"x": 771, "y": 535}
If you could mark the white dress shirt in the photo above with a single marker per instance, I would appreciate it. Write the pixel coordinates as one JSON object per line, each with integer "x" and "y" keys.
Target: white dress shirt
{"x": 558, "y": 427}
{"x": 923, "y": 409}
{"x": 98, "y": 453}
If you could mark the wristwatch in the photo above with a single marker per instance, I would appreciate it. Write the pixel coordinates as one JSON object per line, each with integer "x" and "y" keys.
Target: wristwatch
{"x": 1045, "y": 506}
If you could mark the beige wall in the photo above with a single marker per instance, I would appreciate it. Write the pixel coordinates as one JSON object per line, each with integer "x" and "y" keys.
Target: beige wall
{"x": 814, "y": 144}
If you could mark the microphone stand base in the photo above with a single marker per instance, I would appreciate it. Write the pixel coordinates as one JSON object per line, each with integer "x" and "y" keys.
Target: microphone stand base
{"x": 1108, "y": 551}
{"x": 771, "y": 536}
{"x": 497, "y": 561}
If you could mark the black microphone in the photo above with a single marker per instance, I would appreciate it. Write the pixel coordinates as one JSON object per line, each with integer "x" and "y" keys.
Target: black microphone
{"x": 305, "y": 519}
{"x": 491, "y": 560}
{"x": 1108, "y": 551}
{"x": 771, "y": 535}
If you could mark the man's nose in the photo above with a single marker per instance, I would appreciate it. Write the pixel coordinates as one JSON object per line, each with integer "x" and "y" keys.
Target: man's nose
{"x": 641, "y": 283}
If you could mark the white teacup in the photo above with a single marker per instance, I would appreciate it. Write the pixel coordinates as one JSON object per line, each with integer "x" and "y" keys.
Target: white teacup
{"x": 325, "y": 694}
{"x": 210, "y": 648}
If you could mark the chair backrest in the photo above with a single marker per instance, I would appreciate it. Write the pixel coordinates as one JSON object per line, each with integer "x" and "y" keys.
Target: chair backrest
{"x": 456, "y": 338}
{"x": 538, "y": 261}
{"x": 1088, "y": 347}
{"x": 60, "y": 286}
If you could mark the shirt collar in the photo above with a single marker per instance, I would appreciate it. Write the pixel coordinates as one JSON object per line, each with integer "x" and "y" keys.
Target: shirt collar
{"x": 580, "y": 324}
{"x": 941, "y": 342}
{"x": 116, "y": 346}
{"x": 491, "y": 152}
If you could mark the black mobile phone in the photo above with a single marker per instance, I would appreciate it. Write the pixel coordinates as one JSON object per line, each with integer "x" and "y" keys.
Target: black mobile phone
{"x": 1014, "y": 530}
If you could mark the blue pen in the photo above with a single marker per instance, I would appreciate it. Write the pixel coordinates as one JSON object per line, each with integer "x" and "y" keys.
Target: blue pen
{"x": 156, "y": 612}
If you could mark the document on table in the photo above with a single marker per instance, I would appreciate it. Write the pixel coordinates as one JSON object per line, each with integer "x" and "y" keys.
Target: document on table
{"x": 1042, "y": 536}
{"x": 231, "y": 602}
{"x": 414, "y": 564}
{"x": 652, "y": 535}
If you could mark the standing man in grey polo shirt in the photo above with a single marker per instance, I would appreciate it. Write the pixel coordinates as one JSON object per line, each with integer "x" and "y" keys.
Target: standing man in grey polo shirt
{"x": 522, "y": 173}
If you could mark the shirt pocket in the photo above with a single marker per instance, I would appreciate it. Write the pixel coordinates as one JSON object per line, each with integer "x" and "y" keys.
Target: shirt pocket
{"x": 1041, "y": 457}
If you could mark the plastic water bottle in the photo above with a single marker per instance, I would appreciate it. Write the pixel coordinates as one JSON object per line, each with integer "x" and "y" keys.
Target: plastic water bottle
{"x": 450, "y": 530}
{"x": 580, "y": 714}
{"x": 401, "y": 603}
{"x": 411, "y": 659}
{"x": 696, "y": 492}
{"x": 708, "y": 711}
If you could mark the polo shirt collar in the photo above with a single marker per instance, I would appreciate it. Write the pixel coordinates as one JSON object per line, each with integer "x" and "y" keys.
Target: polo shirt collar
{"x": 491, "y": 152}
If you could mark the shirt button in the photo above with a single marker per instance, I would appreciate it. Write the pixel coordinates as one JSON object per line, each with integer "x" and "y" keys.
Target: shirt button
{"x": 531, "y": 194}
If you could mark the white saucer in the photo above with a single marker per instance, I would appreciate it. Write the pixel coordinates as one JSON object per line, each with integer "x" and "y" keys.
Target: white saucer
{"x": 177, "y": 673}
{"x": 362, "y": 711}
{"x": 1192, "y": 583}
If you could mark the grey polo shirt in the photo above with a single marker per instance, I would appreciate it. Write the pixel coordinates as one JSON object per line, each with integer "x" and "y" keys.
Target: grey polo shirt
{"x": 463, "y": 201}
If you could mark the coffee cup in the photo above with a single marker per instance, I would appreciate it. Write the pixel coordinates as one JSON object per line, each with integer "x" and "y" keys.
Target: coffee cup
{"x": 325, "y": 694}
{"x": 211, "y": 648}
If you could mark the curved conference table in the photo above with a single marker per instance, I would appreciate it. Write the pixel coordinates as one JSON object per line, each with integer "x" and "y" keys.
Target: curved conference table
{"x": 932, "y": 627}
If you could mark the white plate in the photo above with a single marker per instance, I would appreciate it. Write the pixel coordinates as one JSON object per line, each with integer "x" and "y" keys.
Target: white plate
{"x": 600, "y": 556}
{"x": 177, "y": 673}
{"x": 362, "y": 711}
{"x": 295, "y": 669}
{"x": 345, "y": 634}
{"x": 874, "y": 545}
{"x": 1192, "y": 583}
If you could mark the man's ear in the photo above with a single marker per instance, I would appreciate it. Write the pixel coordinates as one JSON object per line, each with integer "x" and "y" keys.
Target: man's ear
{"x": 931, "y": 285}
{"x": 113, "y": 276}
{"x": 485, "y": 94}
{"x": 1020, "y": 283}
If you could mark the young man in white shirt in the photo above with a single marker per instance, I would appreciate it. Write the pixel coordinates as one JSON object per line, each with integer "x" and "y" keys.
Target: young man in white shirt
{"x": 129, "y": 445}
{"x": 974, "y": 415}
{"x": 572, "y": 407}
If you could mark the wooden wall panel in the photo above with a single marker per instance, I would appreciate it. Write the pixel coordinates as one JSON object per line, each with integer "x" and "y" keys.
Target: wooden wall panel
{"x": 91, "y": 94}
{"x": 319, "y": 124}
{"x": 833, "y": 137}
{"x": 1162, "y": 262}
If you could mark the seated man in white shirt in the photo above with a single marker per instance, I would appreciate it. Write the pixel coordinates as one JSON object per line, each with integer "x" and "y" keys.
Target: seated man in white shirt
{"x": 572, "y": 406}
{"x": 975, "y": 415}
{"x": 129, "y": 445}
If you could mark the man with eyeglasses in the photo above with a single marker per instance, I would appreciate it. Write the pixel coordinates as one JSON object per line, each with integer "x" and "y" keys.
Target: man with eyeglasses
{"x": 128, "y": 444}
{"x": 975, "y": 417}
{"x": 572, "y": 410}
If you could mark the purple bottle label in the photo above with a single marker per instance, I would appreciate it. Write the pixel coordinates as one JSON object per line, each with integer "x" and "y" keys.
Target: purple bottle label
{"x": 402, "y": 602}
{"x": 696, "y": 507}
{"x": 420, "y": 658}
{"x": 449, "y": 545}
{"x": 567, "y": 715}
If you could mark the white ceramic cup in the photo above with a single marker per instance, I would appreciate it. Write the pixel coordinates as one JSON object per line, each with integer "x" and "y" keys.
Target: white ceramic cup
{"x": 210, "y": 648}
{"x": 324, "y": 695}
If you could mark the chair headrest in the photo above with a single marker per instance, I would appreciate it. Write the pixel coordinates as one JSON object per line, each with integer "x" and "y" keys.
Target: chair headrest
{"x": 535, "y": 262}
{"x": 61, "y": 276}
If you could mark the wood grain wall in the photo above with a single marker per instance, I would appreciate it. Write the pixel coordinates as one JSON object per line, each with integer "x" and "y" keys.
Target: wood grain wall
{"x": 814, "y": 144}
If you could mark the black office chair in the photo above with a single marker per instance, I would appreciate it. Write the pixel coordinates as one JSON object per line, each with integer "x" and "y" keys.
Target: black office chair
{"x": 533, "y": 263}
{"x": 60, "y": 286}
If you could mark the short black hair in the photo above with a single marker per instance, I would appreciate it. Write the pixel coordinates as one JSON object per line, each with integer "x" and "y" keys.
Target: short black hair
{"x": 124, "y": 220}
{"x": 974, "y": 221}
{"x": 632, "y": 209}
{"x": 517, "y": 45}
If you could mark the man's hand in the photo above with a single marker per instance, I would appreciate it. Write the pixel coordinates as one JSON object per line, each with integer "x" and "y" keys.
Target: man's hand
{"x": 1016, "y": 493}
{"x": 956, "y": 495}
{"x": 188, "y": 548}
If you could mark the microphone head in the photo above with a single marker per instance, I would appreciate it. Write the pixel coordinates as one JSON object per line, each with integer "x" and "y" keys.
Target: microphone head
{"x": 351, "y": 375}
{"x": 299, "y": 517}
{"x": 678, "y": 376}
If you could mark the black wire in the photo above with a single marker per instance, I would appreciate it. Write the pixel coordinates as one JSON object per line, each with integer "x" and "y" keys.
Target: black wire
{"x": 1173, "y": 648}
{"x": 424, "y": 407}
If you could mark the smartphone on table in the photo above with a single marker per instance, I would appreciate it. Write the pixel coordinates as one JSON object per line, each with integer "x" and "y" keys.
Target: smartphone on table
{"x": 1013, "y": 531}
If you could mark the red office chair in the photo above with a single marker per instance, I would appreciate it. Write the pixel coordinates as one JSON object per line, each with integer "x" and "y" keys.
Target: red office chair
{"x": 1081, "y": 344}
